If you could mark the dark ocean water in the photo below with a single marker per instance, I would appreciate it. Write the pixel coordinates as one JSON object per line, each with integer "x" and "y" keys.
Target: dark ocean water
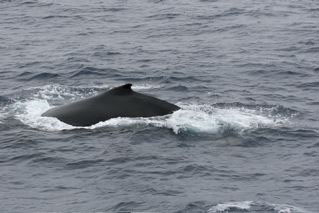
{"x": 245, "y": 72}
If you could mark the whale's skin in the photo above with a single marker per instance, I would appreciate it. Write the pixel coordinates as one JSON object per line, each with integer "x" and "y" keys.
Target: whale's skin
{"x": 121, "y": 101}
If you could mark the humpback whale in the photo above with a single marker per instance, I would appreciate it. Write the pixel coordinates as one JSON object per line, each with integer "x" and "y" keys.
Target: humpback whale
{"x": 120, "y": 101}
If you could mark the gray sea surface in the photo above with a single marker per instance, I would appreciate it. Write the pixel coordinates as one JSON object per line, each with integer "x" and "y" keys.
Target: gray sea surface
{"x": 244, "y": 72}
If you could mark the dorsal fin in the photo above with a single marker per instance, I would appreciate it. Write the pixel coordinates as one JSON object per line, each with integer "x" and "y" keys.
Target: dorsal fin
{"x": 122, "y": 90}
{"x": 126, "y": 86}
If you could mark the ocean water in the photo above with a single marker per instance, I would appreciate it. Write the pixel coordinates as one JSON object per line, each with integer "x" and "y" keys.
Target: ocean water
{"x": 245, "y": 74}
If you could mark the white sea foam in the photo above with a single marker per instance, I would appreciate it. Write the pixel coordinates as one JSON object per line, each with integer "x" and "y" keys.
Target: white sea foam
{"x": 284, "y": 208}
{"x": 29, "y": 113}
{"x": 229, "y": 207}
{"x": 193, "y": 118}
{"x": 222, "y": 207}
{"x": 203, "y": 118}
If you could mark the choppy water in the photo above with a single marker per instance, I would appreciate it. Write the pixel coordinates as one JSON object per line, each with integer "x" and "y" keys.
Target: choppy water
{"x": 246, "y": 74}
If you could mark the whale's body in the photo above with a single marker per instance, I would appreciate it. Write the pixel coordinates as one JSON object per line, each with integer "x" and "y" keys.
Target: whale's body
{"x": 118, "y": 102}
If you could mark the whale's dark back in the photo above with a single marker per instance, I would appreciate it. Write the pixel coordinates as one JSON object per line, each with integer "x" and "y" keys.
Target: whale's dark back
{"x": 119, "y": 102}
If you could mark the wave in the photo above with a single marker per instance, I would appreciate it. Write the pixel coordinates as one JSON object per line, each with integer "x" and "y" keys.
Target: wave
{"x": 95, "y": 72}
{"x": 168, "y": 79}
{"x": 28, "y": 76}
{"x": 309, "y": 85}
{"x": 163, "y": 16}
{"x": 253, "y": 206}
